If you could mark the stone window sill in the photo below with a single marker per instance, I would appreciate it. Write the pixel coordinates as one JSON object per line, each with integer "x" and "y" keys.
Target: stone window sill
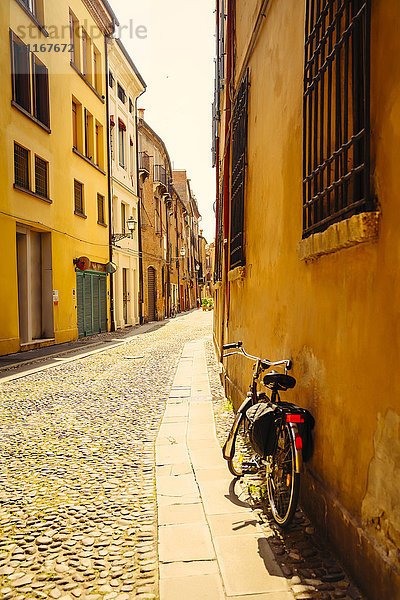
{"x": 31, "y": 117}
{"x": 86, "y": 80}
{"x": 31, "y": 193}
{"x": 79, "y": 214}
{"x": 90, "y": 162}
{"x": 33, "y": 18}
{"x": 345, "y": 234}
{"x": 238, "y": 273}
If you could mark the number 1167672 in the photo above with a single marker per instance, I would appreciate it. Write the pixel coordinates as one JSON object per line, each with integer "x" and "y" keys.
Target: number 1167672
{"x": 51, "y": 47}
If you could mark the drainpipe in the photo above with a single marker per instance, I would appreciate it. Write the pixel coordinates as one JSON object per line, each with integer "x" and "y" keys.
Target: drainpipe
{"x": 139, "y": 195}
{"x": 109, "y": 186}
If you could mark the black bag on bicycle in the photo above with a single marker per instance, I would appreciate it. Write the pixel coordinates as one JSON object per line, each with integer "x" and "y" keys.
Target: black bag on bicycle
{"x": 262, "y": 429}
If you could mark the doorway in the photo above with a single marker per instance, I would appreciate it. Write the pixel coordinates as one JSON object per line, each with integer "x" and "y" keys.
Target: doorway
{"x": 151, "y": 293}
{"x": 125, "y": 295}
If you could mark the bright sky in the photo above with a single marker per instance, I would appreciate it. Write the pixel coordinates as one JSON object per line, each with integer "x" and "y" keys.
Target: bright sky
{"x": 176, "y": 60}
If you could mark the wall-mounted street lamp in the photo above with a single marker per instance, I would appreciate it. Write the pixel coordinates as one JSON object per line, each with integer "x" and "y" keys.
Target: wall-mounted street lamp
{"x": 183, "y": 252}
{"x": 131, "y": 224}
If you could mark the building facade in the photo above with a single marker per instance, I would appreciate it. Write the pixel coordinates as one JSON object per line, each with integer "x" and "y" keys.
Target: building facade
{"x": 305, "y": 146}
{"x": 125, "y": 85}
{"x": 155, "y": 178}
{"x": 53, "y": 176}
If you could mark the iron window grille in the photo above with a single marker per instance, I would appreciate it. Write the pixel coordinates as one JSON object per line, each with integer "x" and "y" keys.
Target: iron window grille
{"x": 336, "y": 129}
{"x": 238, "y": 173}
{"x": 41, "y": 177}
{"x": 21, "y": 166}
{"x": 100, "y": 209}
{"x": 78, "y": 197}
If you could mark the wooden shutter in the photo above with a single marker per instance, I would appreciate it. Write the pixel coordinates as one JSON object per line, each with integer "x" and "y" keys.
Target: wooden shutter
{"x": 80, "y": 303}
{"x": 88, "y": 303}
{"x": 103, "y": 303}
{"x": 96, "y": 306}
{"x": 41, "y": 91}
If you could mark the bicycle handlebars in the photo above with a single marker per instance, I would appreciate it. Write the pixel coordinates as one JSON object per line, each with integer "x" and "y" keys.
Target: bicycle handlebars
{"x": 264, "y": 362}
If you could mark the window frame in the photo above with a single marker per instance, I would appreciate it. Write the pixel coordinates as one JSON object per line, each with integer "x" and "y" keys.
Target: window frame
{"x": 77, "y": 211}
{"x": 101, "y": 201}
{"x": 336, "y": 114}
{"x": 37, "y": 91}
{"x": 46, "y": 163}
{"x": 25, "y": 185}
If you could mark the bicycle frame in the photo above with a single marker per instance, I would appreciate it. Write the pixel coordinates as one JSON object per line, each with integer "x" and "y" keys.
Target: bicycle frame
{"x": 253, "y": 396}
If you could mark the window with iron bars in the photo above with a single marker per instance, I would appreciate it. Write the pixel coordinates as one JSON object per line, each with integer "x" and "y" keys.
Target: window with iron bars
{"x": 78, "y": 197}
{"x": 41, "y": 177}
{"x": 21, "y": 166}
{"x": 336, "y": 133}
{"x": 238, "y": 173}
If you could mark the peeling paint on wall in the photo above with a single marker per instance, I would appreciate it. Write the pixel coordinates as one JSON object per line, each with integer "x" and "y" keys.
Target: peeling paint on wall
{"x": 380, "y": 509}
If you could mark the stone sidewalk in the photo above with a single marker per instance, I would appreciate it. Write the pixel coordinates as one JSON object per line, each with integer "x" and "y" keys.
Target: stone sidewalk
{"x": 210, "y": 543}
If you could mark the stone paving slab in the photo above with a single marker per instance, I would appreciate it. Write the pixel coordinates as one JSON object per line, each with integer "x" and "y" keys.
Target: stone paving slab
{"x": 211, "y": 549}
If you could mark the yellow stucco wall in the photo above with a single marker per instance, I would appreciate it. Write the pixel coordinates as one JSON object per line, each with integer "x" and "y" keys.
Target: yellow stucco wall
{"x": 337, "y": 317}
{"x": 72, "y": 236}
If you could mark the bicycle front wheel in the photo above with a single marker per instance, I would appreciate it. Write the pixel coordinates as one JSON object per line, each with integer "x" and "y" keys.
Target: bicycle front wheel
{"x": 243, "y": 451}
{"x": 283, "y": 483}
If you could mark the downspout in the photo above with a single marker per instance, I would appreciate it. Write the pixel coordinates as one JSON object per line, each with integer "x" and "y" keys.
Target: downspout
{"x": 109, "y": 186}
{"x": 139, "y": 195}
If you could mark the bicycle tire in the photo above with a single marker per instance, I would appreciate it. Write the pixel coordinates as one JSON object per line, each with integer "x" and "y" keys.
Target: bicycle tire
{"x": 242, "y": 450}
{"x": 283, "y": 483}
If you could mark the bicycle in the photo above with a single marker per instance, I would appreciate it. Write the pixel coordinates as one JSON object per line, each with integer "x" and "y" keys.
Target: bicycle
{"x": 284, "y": 462}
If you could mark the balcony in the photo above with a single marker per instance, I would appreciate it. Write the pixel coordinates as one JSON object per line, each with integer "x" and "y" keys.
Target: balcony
{"x": 160, "y": 180}
{"x": 144, "y": 166}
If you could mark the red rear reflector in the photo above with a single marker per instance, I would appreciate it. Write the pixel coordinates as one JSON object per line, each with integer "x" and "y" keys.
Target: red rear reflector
{"x": 299, "y": 442}
{"x": 294, "y": 419}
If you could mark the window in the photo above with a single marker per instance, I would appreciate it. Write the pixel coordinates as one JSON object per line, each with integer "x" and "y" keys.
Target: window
{"x": 40, "y": 79}
{"x": 89, "y": 134}
{"x": 30, "y": 81}
{"x": 97, "y": 70}
{"x": 121, "y": 142}
{"x": 238, "y": 173}
{"x": 74, "y": 38}
{"x": 78, "y": 197}
{"x": 20, "y": 73}
{"x": 131, "y": 106}
{"x": 41, "y": 177}
{"x": 74, "y": 125}
{"x": 121, "y": 93}
{"x": 123, "y": 217}
{"x": 111, "y": 80}
{"x": 336, "y": 138}
{"x": 86, "y": 54}
{"x": 21, "y": 166}
{"x": 100, "y": 209}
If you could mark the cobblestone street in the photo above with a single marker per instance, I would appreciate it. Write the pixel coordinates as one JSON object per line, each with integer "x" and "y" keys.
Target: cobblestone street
{"x": 78, "y": 513}
{"x": 77, "y": 499}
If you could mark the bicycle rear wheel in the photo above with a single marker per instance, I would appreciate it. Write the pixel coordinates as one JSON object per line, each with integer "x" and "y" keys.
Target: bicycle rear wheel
{"x": 243, "y": 451}
{"x": 283, "y": 483}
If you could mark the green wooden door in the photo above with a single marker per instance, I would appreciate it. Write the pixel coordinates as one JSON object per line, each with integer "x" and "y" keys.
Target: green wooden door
{"x": 91, "y": 291}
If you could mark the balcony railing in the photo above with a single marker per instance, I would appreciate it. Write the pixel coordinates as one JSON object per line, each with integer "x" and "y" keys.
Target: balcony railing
{"x": 160, "y": 174}
{"x": 144, "y": 162}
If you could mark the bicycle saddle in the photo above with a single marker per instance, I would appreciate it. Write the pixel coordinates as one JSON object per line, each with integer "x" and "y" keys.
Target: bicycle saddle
{"x": 279, "y": 380}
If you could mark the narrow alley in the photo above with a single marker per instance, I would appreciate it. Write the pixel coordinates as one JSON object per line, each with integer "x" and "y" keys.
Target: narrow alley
{"x": 78, "y": 504}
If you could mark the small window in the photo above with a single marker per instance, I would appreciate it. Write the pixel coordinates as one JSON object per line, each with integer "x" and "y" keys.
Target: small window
{"x": 89, "y": 134}
{"x": 123, "y": 217}
{"x": 41, "y": 177}
{"x": 131, "y": 106}
{"x": 121, "y": 93}
{"x": 85, "y": 48}
{"x": 20, "y": 73}
{"x": 41, "y": 91}
{"x": 75, "y": 125}
{"x": 78, "y": 197}
{"x": 121, "y": 143}
{"x": 21, "y": 166}
{"x": 74, "y": 39}
{"x": 111, "y": 80}
{"x": 97, "y": 70}
{"x": 100, "y": 209}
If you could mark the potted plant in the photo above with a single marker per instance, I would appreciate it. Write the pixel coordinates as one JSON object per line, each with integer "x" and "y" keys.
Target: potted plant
{"x": 210, "y": 303}
{"x": 204, "y": 303}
